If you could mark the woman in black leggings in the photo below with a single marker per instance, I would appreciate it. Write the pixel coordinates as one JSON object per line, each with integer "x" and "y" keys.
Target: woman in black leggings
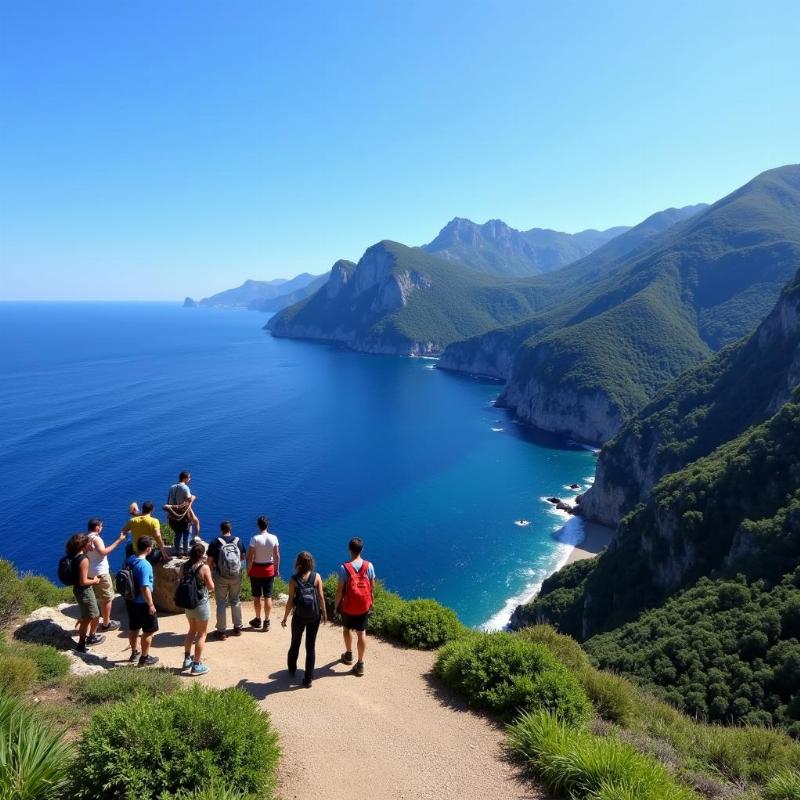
{"x": 307, "y": 605}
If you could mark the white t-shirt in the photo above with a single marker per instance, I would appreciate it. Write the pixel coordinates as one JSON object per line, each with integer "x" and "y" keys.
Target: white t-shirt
{"x": 264, "y": 545}
{"x": 98, "y": 565}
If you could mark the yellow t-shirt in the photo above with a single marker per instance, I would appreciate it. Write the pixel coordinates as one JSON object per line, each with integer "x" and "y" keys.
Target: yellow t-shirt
{"x": 143, "y": 526}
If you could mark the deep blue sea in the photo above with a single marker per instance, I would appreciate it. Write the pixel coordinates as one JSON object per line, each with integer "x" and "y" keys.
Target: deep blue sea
{"x": 104, "y": 403}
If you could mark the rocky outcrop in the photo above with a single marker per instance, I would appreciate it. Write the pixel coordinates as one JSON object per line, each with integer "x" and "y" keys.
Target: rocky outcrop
{"x": 166, "y": 576}
{"x": 189, "y": 303}
{"x": 491, "y": 355}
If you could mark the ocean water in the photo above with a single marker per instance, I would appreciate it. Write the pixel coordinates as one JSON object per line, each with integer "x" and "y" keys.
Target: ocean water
{"x": 104, "y": 403}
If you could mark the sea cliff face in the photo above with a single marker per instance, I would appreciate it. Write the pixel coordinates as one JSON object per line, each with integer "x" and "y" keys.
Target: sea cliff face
{"x": 491, "y": 355}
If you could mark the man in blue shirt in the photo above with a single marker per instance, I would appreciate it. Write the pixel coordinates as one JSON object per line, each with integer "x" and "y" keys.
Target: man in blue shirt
{"x": 142, "y": 617}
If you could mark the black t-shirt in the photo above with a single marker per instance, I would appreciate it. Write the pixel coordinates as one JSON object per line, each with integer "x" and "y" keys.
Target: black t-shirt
{"x": 216, "y": 546}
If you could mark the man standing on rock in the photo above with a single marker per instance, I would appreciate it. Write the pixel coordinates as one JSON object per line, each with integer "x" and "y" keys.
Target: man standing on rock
{"x": 141, "y": 610}
{"x": 97, "y": 553}
{"x": 225, "y": 556}
{"x": 180, "y": 514}
{"x": 354, "y": 597}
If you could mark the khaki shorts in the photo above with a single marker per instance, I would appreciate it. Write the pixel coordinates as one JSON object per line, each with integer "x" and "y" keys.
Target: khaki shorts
{"x": 105, "y": 589}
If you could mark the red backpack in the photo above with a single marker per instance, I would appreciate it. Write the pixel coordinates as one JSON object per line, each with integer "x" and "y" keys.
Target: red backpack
{"x": 357, "y": 598}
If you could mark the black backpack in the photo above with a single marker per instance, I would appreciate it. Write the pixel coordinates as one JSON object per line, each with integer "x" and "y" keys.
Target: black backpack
{"x": 66, "y": 574}
{"x": 187, "y": 594}
{"x": 124, "y": 582}
{"x": 306, "y": 599}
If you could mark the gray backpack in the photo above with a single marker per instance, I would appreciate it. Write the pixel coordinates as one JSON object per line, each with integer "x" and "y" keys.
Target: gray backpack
{"x": 229, "y": 561}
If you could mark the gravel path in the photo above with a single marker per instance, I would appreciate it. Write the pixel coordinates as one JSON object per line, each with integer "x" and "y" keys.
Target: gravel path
{"x": 395, "y": 733}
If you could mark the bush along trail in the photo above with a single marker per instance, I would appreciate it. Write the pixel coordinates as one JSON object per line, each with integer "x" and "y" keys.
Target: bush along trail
{"x": 249, "y": 731}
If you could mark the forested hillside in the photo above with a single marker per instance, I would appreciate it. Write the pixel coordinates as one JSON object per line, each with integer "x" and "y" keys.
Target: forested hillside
{"x": 592, "y": 362}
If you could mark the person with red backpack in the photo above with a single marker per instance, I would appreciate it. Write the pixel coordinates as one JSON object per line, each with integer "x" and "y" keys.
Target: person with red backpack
{"x": 354, "y": 596}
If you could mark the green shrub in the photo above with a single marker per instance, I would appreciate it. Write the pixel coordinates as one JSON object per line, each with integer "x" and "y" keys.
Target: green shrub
{"x": 14, "y": 597}
{"x": 574, "y": 763}
{"x": 34, "y": 760}
{"x": 564, "y": 648}
{"x": 45, "y": 593}
{"x": 172, "y": 743}
{"x": 783, "y": 786}
{"x": 506, "y": 673}
{"x": 215, "y": 791}
{"x": 17, "y": 674}
{"x": 425, "y": 624}
{"x": 613, "y": 697}
{"x": 49, "y": 662}
{"x": 123, "y": 683}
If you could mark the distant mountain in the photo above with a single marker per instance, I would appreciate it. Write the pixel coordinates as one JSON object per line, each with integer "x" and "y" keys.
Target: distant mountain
{"x": 498, "y": 249}
{"x": 402, "y": 300}
{"x": 284, "y": 300}
{"x": 252, "y": 292}
{"x": 740, "y": 386}
{"x": 584, "y": 367}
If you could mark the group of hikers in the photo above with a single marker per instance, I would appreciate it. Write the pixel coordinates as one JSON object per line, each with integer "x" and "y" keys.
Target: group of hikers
{"x": 218, "y": 568}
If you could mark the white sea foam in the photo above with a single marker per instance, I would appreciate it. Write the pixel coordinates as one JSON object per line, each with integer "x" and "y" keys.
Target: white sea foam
{"x": 568, "y": 536}
{"x": 497, "y": 430}
{"x": 522, "y": 523}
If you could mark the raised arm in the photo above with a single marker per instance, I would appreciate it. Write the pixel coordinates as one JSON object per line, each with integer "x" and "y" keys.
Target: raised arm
{"x": 102, "y": 549}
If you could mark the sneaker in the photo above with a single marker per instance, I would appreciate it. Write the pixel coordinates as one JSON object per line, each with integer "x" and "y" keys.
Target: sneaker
{"x": 148, "y": 661}
{"x": 358, "y": 669}
{"x": 221, "y": 635}
{"x": 347, "y": 658}
{"x": 187, "y": 662}
{"x": 95, "y": 638}
{"x": 200, "y": 669}
{"x": 113, "y": 625}
{"x": 255, "y": 622}
{"x": 237, "y": 631}
{"x": 266, "y": 625}
{"x": 134, "y": 655}
{"x": 81, "y": 648}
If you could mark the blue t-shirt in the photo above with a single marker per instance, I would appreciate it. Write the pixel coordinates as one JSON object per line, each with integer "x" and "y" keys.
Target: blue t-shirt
{"x": 142, "y": 576}
{"x": 357, "y": 566}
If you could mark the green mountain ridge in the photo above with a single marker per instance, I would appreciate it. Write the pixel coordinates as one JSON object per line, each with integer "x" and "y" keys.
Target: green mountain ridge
{"x": 496, "y": 248}
{"x": 740, "y": 386}
{"x": 592, "y": 362}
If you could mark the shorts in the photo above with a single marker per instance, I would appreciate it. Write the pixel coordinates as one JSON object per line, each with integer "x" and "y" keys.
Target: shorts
{"x": 356, "y": 622}
{"x": 140, "y": 619}
{"x": 87, "y": 602}
{"x": 104, "y": 590}
{"x": 262, "y": 586}
{"x": 202, "y": 613}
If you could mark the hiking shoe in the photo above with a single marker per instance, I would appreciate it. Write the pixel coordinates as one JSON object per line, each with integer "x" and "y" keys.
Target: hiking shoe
{"x": 266, "y": 625}
{"x": 358, "y": 669}
{"x": 347, "y": 658}
{"x": 200, "y": 669}
{"x": 81, "y": 648}
{"x": 255, "y": 622}
{"x": 113, "y": 625}
{"x": 237, "y": 632}
{"x": 307, "y": 684}
{"x": 95, "y": 638}
{"x": 221, "y": 635}
{"x": 148, "y": 661}
{"x": 187, "y": 662}
{"x": 134, "y": 655}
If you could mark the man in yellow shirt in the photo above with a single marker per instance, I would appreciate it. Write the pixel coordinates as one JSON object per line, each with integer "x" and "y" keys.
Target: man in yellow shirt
{"x": 144, "y": 525}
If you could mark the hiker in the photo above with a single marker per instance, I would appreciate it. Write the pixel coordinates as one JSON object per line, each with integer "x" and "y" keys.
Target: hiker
{"x": 225, "y": 555}
{"x": 306, "y": 603}
{"x": 182, "y": 518}
{"x": 142, "y": 617}
{"x": 354, "y": 595}
{"x": 97, "y": 554}
{"x": 263, "y": 563}
{"x": 197, "y": 570}
{"x": 83, "y": 590}
{"x": 143, "y": 524}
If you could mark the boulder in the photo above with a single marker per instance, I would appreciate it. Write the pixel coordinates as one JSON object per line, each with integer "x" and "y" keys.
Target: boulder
{"x": 166, "y": 575}
{"x": 574, "y": 486}
{"x": 554, "y": 500}
{"x": 562, "y": 506}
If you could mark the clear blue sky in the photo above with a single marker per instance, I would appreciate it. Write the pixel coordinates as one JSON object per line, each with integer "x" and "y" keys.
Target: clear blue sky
{"x": 151, "y": 150}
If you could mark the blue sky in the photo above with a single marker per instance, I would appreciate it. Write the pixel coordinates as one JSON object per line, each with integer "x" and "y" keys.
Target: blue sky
{"x": 154, "y": 150}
